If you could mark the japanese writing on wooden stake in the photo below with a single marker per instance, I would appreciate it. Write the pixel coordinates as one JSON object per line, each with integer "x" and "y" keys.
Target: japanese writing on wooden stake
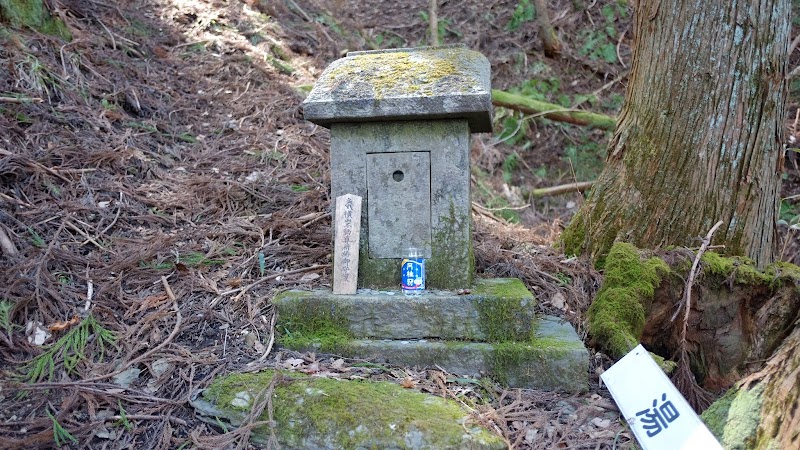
{"x": 348, "y": 229}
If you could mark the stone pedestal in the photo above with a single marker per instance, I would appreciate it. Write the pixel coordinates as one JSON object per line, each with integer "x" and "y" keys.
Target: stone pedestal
{"x": 492, "y": 331}
{"x": 400, "y": 122}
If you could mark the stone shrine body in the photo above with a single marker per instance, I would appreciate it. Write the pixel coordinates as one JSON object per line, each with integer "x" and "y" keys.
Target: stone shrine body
{"x": 400, "y": 122}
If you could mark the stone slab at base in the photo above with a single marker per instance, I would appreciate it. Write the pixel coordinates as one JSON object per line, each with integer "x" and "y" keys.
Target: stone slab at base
{"x": 327, "y": 413}
{"x": 555, "y": 359}
{"x": 491, "y": 331}
{"x": 497, "y": 309}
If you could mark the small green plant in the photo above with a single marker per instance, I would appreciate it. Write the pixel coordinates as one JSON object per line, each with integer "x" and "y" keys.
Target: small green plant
{"x": 137, "y": 28}
{"x": 123, "y": 417}
{"x": 186, "y": 137}
{"x": 386, "y": 41}
{"x": 524, "y": 12}
{"x": 586, "y": 157}
{"x": 107, "y": 105}
{"x": 36, "y": 239}
{"x": 71, "y": 348}
{"x": 262, "y": 263}
{"x": 5, "y": 316}
{"x": 63, "y": 278}
{"x": 36, "y": 77}
{"x": 60, "y": 435}
{"x": 442, "y": 26}
{"x": 299, "y": 188}
{"x": 191, "y": 259}
{"x": 563, "y": 279}
{"x": 789, "y": 213}
{"x": 509, "y": 165}
{"x": 515, "y": 126}
{"x": 600, "y": 44}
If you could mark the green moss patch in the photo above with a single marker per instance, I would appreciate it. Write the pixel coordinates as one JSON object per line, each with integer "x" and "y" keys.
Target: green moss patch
{"x": 617, "y": 315}
{"x": 734, "y": 418}
{"x": 572, "y": 240}
{"x": 505, "y": 310}
{"x": 312, "y": 323}
{"x": 329, "y": 413}
{"x": 33, "y": 14}
{"x": 737, "y": 269}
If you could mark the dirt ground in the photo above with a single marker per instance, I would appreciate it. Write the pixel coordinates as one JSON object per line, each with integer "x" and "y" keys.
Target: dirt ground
{"x": 159, "y": 186}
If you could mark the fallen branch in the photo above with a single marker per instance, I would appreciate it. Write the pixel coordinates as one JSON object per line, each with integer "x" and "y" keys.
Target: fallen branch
{"x": 7, "y": 244}
{"x": 550, "y": 41}
{"x": 552, "y": 111}
{"x": 20, "y": 100}
{"x": 243, "y": 290}
{"x": 579, "y": 186}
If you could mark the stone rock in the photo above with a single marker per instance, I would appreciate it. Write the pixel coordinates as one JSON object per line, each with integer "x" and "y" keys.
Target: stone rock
{"x": 325, "y": 413}
{"x": 126, "y": 378}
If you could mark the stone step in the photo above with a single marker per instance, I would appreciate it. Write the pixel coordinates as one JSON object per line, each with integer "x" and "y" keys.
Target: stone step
{"x": 495, "y": 310}
{"x": 554, "y": 359}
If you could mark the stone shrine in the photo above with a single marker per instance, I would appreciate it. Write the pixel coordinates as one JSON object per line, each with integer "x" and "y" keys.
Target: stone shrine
{"x": 400, "y": 124}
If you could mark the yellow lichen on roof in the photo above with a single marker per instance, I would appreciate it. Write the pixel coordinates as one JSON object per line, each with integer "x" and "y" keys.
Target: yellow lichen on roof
{"x": 400, "y": 73}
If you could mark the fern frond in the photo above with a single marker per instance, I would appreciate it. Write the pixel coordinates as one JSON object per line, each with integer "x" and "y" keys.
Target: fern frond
{"x": 71, "y": 348}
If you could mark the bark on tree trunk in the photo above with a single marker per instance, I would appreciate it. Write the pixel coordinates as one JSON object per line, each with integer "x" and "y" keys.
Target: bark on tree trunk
{"x": 699, "y": 137}
{"x": 550, "y": 41}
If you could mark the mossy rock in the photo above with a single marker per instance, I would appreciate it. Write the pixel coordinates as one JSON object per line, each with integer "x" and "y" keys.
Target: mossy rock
{"x": 325, "y": 413}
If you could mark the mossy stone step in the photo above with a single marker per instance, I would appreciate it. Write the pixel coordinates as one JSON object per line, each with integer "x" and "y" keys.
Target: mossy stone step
{"x": 495, "y": 310}
{"x": 326, "y": 413}
{"x": 553, "y": 359}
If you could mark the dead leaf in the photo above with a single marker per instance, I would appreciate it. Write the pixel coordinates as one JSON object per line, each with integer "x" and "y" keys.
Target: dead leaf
{"x": 338, "y": 364}
{"x": 408, "y": 383}
{"x": 293, "y": 363}
{"x": 601, "y": 423}
{"x": 309, "y": 277}
{"x": 559, "y": 301}
{"x": 60, "y": 326}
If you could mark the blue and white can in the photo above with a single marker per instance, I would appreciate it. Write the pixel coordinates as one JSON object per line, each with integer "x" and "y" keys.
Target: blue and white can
{"x": 412, "y": 273}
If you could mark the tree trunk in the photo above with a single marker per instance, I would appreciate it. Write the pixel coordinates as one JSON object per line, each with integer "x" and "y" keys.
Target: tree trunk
{"x": 550, "y": 41}
{"x": 699, "y": 136}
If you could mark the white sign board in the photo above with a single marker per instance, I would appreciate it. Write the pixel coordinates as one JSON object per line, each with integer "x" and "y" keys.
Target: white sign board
{"x": 657, "y": 413}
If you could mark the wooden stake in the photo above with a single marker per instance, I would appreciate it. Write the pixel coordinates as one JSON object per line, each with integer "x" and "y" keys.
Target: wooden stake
{"x": 345, "y": 257}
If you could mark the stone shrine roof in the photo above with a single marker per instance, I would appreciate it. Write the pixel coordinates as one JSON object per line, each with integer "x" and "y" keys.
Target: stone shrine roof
{"x": 450, "y": 82}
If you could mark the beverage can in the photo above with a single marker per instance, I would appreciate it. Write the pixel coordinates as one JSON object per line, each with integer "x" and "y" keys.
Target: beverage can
{"x": 412, "y": 272}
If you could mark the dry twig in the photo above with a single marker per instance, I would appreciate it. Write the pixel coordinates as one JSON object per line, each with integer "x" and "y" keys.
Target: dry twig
{"x": 684, "y": 380}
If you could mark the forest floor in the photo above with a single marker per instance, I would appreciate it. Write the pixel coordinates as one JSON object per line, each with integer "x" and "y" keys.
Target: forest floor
{"x": 159, "y": 186}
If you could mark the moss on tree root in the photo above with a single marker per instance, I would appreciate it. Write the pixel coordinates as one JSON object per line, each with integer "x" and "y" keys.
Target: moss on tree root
{"x": 617, "y": 315}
